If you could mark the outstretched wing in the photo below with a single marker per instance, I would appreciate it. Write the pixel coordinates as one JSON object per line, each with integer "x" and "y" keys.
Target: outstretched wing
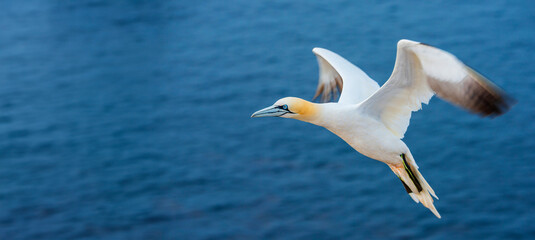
{"x": 420, "y": 72}
{"x": 339, "y": 75}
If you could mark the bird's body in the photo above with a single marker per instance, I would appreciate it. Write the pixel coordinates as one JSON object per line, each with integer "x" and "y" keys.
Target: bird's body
{"x": 373, "y": 120}
{"x": 365, "y": 134}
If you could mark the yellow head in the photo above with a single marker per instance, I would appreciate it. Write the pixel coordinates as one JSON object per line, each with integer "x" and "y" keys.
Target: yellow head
{"x": 289, "y": 107}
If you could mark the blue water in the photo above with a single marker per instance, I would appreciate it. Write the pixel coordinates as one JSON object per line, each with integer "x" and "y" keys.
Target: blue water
{"x": 130, "y": 120}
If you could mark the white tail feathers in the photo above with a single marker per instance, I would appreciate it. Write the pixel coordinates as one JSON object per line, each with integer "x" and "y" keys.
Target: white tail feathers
{"x": 418, "y": 190}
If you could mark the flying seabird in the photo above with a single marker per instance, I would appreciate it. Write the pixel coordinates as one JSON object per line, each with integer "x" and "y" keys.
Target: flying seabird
{"x": 373, "y": 119}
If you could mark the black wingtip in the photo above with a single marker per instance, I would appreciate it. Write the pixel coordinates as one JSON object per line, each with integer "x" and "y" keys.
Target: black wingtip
{"x": 503, "y": 105}
{"x": 490, "y": 99}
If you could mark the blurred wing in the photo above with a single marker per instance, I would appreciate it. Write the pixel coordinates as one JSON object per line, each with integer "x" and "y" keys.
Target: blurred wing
{"x": 339, "y": 75}
{"x": 420, "y": 72}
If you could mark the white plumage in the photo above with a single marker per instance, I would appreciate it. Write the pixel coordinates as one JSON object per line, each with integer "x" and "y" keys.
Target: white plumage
{"x": 373, "y": 120}
{"x": 358, "y": 86}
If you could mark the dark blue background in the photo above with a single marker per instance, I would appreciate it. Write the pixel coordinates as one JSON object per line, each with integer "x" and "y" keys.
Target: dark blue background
{"x": 130, "y": 120}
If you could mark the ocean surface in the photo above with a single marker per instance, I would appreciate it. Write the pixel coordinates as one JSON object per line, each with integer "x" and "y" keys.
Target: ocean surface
{"x": 131, "y": 120}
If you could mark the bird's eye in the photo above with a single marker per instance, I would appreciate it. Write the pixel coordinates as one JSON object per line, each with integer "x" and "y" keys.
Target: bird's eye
{"x": 285, "y": 107}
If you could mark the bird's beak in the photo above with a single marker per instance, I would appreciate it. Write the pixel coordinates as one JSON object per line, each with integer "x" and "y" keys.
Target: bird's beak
{"x": 271, "y": 111}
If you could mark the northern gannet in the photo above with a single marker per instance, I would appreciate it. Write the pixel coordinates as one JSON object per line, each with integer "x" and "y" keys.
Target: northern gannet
{"x": 373, "y": 119}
